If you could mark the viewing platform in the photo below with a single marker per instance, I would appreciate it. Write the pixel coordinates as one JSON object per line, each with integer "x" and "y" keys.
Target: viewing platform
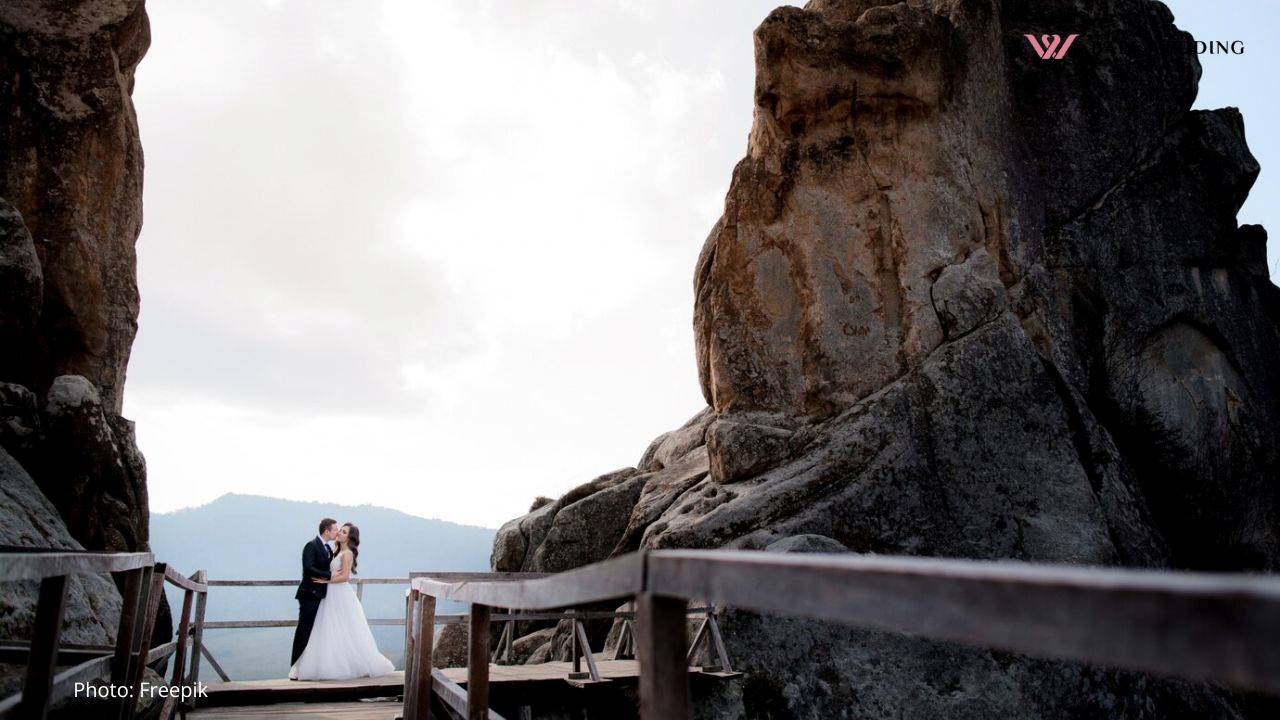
{"x": 1198, "y": 626}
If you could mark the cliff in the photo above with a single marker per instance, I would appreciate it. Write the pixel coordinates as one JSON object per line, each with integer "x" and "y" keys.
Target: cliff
{"x": 70, "y": 213}
{"x": 967, "y": 302}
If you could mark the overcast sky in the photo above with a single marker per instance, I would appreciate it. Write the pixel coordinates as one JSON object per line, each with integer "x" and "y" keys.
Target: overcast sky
{"x": 438, "y": 256}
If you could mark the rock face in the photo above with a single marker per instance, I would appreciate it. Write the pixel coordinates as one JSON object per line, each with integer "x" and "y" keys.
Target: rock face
{"x": 72, "y": 168}
{"x": 70, "y": 212}
{"x": 30, "y": 520}
{"x": 966, "y": 302}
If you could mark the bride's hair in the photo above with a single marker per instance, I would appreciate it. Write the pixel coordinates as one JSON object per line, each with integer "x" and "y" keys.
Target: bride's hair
{"x": 353, "y": 544}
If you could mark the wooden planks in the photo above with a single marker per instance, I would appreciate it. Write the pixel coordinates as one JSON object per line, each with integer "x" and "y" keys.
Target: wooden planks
{"x": 270, "y": 692}
{"x": 393, "y": 682}
{"x": 384, "y": 710}
{"x": 547, "y": 672}
{"x": 294, "y": 582}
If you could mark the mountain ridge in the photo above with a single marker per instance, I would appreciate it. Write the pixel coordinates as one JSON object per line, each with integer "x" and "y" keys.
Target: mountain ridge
{"x": 256, "y": 537}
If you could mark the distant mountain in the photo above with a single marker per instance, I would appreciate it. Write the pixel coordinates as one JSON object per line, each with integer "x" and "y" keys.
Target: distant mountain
{"x": 250, "y": 537}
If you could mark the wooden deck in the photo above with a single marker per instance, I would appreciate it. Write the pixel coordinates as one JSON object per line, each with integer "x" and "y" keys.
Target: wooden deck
{"x": 261, "y": 692}
{"x": 358, "y": 710}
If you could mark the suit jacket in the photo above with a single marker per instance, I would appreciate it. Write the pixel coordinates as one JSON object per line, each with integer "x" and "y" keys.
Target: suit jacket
{"x": 315, "y": 564}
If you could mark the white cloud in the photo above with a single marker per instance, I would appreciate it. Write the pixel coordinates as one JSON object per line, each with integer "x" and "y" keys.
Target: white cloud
{"x": 435, "y": 256}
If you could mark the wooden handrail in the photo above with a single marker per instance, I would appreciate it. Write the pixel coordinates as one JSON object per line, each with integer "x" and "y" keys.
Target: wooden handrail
{"x": 620, "y": 577}
{"x": 40, "y": 563}
{"x": 294, "y": 582}
{"x": 1197, "y": 626}
{"x": 143, "y": 581}
{"x": 173, "y": 577}
{"x": 441, "y": 619}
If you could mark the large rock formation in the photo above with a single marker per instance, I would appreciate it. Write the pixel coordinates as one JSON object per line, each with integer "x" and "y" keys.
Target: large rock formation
{"x": 70, "y": 212}
{"x": 965, "y": 302}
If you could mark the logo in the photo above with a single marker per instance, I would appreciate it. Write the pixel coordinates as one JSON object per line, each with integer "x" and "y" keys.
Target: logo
{"x": 1219, "y": 47}
{"x": 1051, "y": 47}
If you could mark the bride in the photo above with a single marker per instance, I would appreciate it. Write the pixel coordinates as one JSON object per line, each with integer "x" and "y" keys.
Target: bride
{"x": 341, "y": 646}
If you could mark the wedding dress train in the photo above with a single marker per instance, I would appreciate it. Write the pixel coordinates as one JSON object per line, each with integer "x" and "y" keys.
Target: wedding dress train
{"x": 341, "y": 646}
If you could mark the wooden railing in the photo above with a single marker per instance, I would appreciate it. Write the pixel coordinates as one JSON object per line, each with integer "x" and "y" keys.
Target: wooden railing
{"x": 1209, "y": 627}
{"x": 142, "y": 580}
{"x": 200, "y": 649}
{"x": 580, "y": 649}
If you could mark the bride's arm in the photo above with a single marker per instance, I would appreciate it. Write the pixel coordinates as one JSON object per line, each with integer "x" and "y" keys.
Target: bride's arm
{"x": 344, "y": 572}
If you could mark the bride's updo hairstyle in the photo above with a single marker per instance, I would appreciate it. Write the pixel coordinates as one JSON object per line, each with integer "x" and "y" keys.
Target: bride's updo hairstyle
{"x": 353, "y": 544}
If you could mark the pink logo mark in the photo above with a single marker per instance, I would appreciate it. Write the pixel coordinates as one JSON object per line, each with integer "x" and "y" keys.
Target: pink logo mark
{"x": 1046, "y": 45}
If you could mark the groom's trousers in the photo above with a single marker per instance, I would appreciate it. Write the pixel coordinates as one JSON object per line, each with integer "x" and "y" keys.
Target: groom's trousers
{"x": 307, "y": 607}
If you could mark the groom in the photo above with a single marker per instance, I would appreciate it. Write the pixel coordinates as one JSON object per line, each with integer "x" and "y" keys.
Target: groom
{"x": 315, "y": 564}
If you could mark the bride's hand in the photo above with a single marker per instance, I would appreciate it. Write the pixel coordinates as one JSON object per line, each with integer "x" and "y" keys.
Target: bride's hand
{"x": 320, "y": 580}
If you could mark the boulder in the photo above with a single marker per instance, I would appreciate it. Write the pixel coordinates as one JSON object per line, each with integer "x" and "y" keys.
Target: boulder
{"x": 90, "y": 468}
{"x": 450, "y": 648}
{"x": 586, "y": 531}
{"x": 525, "y": 647}
{"x": 28, "y": 519}
{"x": 968, "y": 294}
{"x": 668, "y": 448}
{"x": 737, "y": 450}
{"x": 517, "y": 542}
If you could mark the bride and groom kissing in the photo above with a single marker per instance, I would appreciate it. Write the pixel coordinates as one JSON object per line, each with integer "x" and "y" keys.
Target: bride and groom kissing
{"x": 333, "y": 641}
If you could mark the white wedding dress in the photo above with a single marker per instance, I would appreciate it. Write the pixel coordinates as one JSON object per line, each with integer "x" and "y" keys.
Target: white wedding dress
{"x": 341, "y": 646}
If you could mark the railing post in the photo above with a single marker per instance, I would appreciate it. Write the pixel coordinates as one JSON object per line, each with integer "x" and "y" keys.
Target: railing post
{"x": 580, "y": 631}
{"x": 575, "y": 654}
{"x": 184, "y": 629}
{"x": 130, "y": 606}
{"x": 142, "y": 602}
{"x": 722, "y": 654}
{"x": 44, "y": 647}
{"x": 197, "y": 632}
{"x": 697, "y": 641}
{"x": 410, "y": 677}
{"x": 425, "y": 629}
{"x": 155, "y": 584}
{"x": 664, "y": 674}
{"x": 502, "y": 653}
{"x": 511, "y": 640}
{"x": 478, "y": 664}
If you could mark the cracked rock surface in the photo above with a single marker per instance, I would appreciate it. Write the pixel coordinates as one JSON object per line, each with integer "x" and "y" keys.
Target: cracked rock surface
{"x": 71, "y": 474}
{"x": 965, "y": 302}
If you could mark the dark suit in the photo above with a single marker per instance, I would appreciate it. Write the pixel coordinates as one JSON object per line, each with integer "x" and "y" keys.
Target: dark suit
{"x": 315, "y": 564}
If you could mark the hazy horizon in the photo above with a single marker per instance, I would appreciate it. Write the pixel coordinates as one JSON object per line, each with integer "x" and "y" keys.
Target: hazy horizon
{"x": 353, "y": 506}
